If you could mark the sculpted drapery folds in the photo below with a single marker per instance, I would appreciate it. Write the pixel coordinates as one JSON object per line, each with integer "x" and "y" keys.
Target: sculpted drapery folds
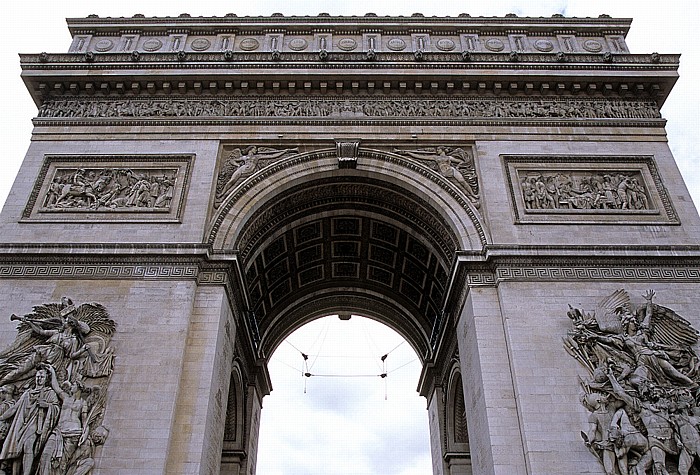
{"x": 60, "y": 365}
{"x": 643, "y": 387}
{"x": 453, "y": 163}
{"x": 241, "y": 163}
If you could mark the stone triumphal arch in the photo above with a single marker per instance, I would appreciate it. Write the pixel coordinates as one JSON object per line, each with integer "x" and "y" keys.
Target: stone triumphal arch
{"x": 198, "y": 188}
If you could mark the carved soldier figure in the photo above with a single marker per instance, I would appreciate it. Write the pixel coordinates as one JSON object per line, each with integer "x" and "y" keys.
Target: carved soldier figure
{"x": 626, "y": 437}
{"x": 599, "y": 423}
{"x": 71, "y": 430}
{"x": 657, "y": 422}
{"x": 34, "y": 416}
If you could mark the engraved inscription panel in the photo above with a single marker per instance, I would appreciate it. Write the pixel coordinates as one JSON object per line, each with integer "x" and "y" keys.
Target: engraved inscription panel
{"x": 141, "y": 188}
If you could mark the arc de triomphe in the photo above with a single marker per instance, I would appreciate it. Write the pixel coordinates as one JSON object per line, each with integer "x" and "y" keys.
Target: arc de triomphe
{"x": 198, "y": 188}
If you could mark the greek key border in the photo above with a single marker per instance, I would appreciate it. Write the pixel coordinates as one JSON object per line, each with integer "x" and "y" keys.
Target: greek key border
{"x": 582, "y": 273}
{"x": 96, "y": 271}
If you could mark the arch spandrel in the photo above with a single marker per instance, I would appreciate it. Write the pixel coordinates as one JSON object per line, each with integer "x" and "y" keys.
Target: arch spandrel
{"x": 383, "y": 235}
{"x": 444, "y": 198}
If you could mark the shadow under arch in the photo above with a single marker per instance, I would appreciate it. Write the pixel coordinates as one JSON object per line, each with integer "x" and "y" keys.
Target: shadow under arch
{"x": 379, "y": 240}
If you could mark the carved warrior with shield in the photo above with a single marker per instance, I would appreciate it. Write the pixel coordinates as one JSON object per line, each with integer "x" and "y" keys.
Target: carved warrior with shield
{"x": 643, "y": 391}
{"x": 60, "y": 364}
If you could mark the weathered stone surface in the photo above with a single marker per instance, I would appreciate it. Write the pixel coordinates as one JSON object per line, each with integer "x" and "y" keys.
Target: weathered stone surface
{"x": 462, "y": 180}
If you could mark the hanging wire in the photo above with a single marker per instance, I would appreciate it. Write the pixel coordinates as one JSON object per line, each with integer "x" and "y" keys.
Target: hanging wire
{"x": 325, "y": 334}
{"x": 322, "y": 335}
{"x": 403, "y": 365}
{"x": 370, "y": 342}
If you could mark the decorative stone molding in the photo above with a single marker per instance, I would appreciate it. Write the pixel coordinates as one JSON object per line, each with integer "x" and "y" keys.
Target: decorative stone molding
{"x": 597, "y": 273}
{"x": 587, "y": 189}
{"x": 491, "y": 58}
{"x": 352, "y": 109}
{"x": 141, "y": 188}
{"x": 100, "y": 271}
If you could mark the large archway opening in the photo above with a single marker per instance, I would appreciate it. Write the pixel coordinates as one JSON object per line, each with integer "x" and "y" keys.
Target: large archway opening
{"x": 381, "y": 240}
{"x": 344, "y": 402}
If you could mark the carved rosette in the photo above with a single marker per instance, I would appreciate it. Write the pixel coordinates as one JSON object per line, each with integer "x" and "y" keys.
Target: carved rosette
{"x": 642, "y": 388}
{"x": 53, "y": 387}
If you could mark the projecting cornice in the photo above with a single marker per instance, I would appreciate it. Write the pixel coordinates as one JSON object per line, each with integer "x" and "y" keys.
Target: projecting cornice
{"x": 286, "y": 56}
{"x": 232, "y": 22}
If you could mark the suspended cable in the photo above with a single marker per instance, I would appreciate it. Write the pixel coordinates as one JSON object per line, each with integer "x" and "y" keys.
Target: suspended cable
{"x": 325, "y": 334}
{"x": 370, "y": 341}
{"x": 288, "y": 365}
{"x": 309, "y": 375}
{"x": 390, "y": 351}
{"x": 405, "y": 364}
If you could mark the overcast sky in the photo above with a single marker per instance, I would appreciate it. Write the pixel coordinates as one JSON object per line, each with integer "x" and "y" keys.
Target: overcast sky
{"x": 324, "y": 431}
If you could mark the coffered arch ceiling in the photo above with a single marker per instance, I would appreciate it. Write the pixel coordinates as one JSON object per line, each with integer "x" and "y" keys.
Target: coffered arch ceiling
{"x": 346, "y": 242}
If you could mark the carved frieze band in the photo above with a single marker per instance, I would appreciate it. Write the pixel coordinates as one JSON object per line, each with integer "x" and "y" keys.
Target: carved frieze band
{"x": 453, "y": 108}
{"x": 582, "y": 273}
{"x": 96, "y": 271}
{"x": 105, "y": 188}
{"x": 370, "y": 38}
{"x": 583, "y": 189}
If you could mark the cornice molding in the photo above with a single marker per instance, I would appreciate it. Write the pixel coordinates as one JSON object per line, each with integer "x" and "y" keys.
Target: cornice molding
{"x": 285, "y": 60}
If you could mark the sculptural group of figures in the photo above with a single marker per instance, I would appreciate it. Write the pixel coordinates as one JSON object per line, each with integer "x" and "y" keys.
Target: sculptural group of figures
{"x": 642, "y": 393}
{"x": 595, "y": 191}
{"x": 110, "y": 188}
{"x": 53, "y": 383}
{"x": 454, "y": 108}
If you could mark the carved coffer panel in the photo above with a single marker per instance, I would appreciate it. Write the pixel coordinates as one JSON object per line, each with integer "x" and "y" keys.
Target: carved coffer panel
{"x": 588, "y": 189}
{"x": 140, "y": 188}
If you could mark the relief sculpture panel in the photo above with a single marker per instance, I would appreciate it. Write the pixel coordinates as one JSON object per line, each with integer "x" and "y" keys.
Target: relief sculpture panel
{"x": 642, "y": 390}
{"x": 587, "y": 189}
{"x": 347, "y": 108}
{"x": 53, "y": 389}
{"x": 454, "y": 163}
{"x": 240, "y": 163}
{"x": 93, "y": 188}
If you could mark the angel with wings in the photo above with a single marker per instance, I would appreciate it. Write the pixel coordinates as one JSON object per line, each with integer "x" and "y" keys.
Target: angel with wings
{"x": 74, "y": 340}
{"x": 455, "y": 163}
{"x": 244, "y": 162}
{"x": 63, "y": 351}
{"x": 644, "y": 358}
{"x": 650, "y": 344}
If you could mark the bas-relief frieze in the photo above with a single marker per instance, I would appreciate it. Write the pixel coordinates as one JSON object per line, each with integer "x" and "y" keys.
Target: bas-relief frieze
{"x": 351, "y": 108}
{"x": 150, "y": 187}
{"x": 110, "y": 188}
{"x": 642, "y": 385}
{"x": 53, "y": 389}
{"x": 545, "y": 189}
